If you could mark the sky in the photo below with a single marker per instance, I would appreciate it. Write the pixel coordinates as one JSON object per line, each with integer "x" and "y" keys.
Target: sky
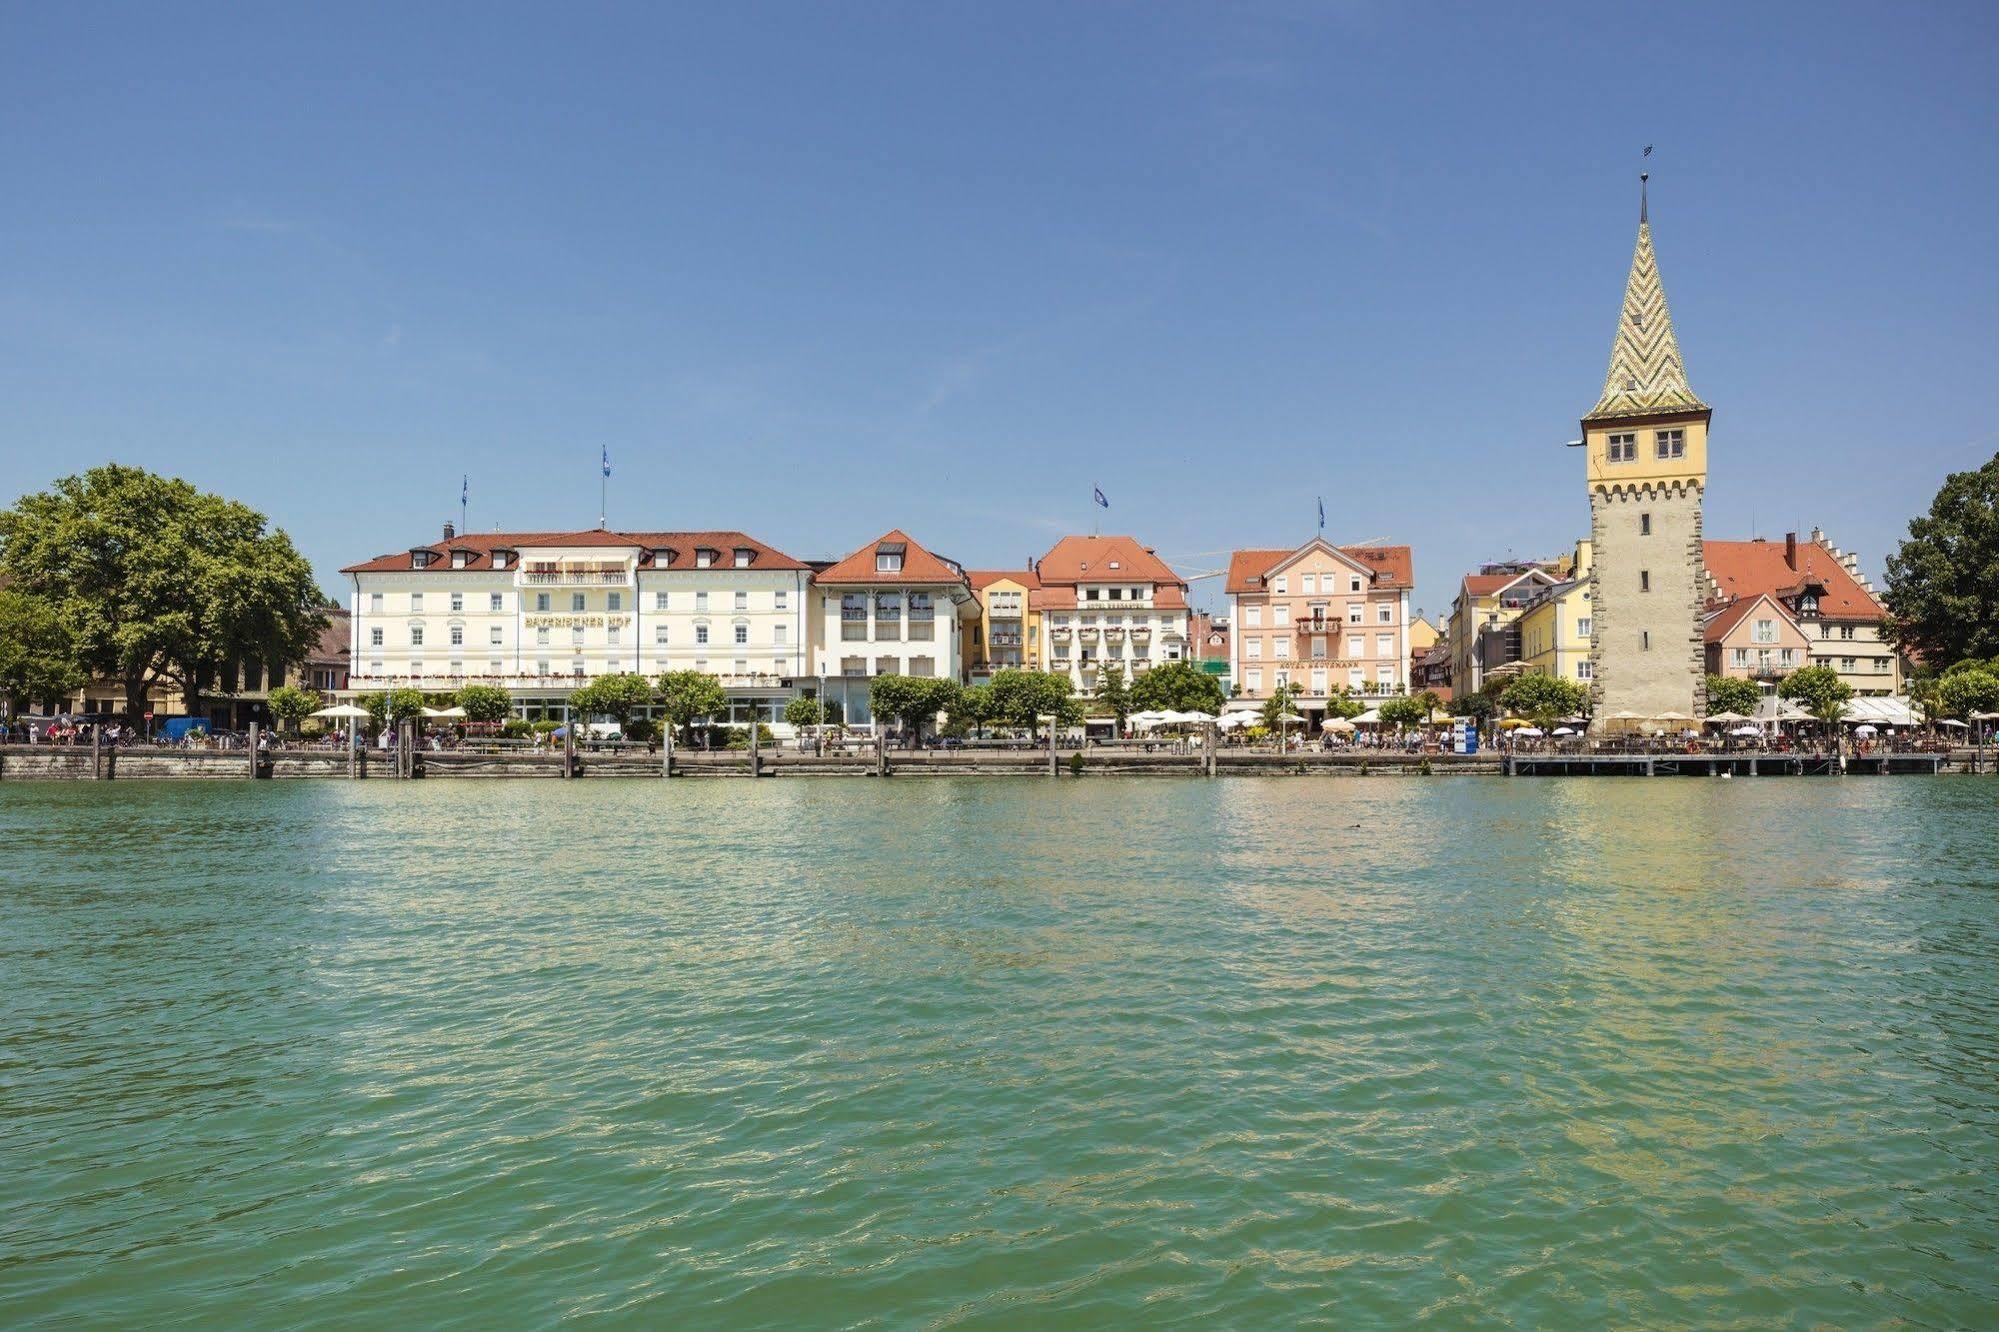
{"x": 814, "y": 271}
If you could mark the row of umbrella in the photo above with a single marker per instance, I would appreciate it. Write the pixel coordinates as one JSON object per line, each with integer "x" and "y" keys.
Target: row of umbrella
{"x": 347, "y": 711}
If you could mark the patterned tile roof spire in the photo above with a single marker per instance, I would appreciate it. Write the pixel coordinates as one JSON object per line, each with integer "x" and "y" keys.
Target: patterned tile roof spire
{"x": 1646, "y": 373}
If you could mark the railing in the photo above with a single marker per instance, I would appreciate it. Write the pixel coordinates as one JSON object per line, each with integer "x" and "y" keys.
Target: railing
{"x": 591, "y": 578}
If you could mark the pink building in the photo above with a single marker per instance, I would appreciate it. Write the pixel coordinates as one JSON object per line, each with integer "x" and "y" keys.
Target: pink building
{"x": 1320, "y": 618}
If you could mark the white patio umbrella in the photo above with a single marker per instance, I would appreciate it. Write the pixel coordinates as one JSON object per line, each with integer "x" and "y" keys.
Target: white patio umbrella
{"x": 1290, "y": 719}
{"x": 1195, "y": 716}
{"x": 444, "y": 712}
{"x": 1372, "y": 717}
{"x": 1985, "y": 716}
{"x": 1674, "y": 717}
{"x": 1565, "y": 730}
{"x": 1145, "y": 721}
{"x": 345, "y": 710}
{"x": 1235, "y": 721}
{"x": 1531, "y": 732}
{"x": 1864, "y": 730}
{"x": 1337, "y": 724}
{"x": 1746, "y": 730}
{"x": 1725, "y": 718}
{"x": 1953, "y": 723}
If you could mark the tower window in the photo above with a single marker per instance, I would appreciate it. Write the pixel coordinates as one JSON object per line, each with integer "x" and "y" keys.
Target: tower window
{"x": 1645, "y": 639}
{"x": 1624, "y": 448}
{"x": 1671, "y": 443}
{"x": 1644, "y": 524}
{"x": 1644, "y": 580}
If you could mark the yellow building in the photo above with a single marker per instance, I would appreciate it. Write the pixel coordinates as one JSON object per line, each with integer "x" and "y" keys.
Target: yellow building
{"x": 1007, "y": 631}
{"x": 1484, "y": 618}
{"x": 1556, "y": 624}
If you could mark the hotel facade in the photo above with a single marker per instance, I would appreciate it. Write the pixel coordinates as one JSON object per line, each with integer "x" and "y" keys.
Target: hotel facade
{"x": 1321, "y": 619}
{"x": 1107, "y": 600}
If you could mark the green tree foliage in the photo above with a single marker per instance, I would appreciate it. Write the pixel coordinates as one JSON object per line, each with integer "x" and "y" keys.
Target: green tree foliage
{"x": 913, "y": 701}
{"x": 156, "y": 580}
{"x": 1478, "y": 705}
{"x": 1344, "y": 705}
{"x": 38, "y": 660}
{"x": 613, "y": 696}
{"x": 485, "y": 703}
{"x": 1728, "y": 693}
{"x": 804, "y": 712}
{"x": 396, "y": 706}
{"x": 1114, "y": 693}
{"x": 1404, "y": 712}
{"x": 1177, "y": 686}
{"x": 1544, "y": 699}
{"x": 1819, "y": 691}
{"x": 1943, "y": 582}
{"x": 687, "y": 696}
{"x": 1021, "y": 698}
{"x": 1968, "y": 687}
{"x": 291, "y": 704}
{"x": 1277, "y": 706}
{"x": 974, "y": 707}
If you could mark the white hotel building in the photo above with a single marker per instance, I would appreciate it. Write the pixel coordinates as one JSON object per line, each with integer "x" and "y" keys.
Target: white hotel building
{"x": 538, "y": 613}
{"x": 1108, "y": 600}
{"x": 892, "y": 607}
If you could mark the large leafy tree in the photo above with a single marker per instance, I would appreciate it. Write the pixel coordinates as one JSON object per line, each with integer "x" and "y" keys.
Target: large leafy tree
{"x": 911, "y": 700}
{"x": 1402, "y": 712}
{"x": 37, "y": 653}
{"x": 974, "y": 706}
{"x": 1729, "y": 693}
{"x": 1344, "y": 705}
{"x": 292, "y": 704}
{"x": 1943, "y": 582}
{"x": 1177, "y": 686}
{"x": 1544, "y": 698}
{"x": 687, "y": 696}
{"x": 485, "y": 703}
{"x": 1278, "y": 706}
{"x": 1114, "y": 693}
{"x": 613, "y": 696}
{"x": 157, "y": 580}
{"x": 1021, "y": 698}
{"x": 1819, "y": 691}
{"x": 394, "y": 706}
{"x": 802, "y": 711}
{"x": 1968, "y": 687}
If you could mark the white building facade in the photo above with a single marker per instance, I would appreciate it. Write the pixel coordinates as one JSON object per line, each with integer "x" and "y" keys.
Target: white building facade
{"x": 1108, "y": 600}
{"x": 890, "y": 608}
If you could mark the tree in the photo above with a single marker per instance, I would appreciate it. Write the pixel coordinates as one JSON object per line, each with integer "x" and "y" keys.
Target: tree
{"x": 1477, "y": 705}
{"x": 974, "y": 706}
{"x": 1544, "y": 699}
{"x": 1022, "y": 698}
{"x": 37, "y": 652}
{"x": 613, "y": 696}
{"x": 1968, "y": 687}
{"x": 1401, "y": 712}
{"x": 1113, "y": 693}
{"x": 802, "y": 712}
{"x": 1277, "y": 706}
{"x": 158, "y": 581}
{"x": 1728, "y": 693}
{"x": 911, "y": 700}
{"x": 1177, "y": 686}
{"x": 485, "y": 703}
{"x": 291, "y": 705}
{"x": 1943, "y": 582}
{"x": 1819, "y": 691}
{"x": 396, "y": 706}
{"x": 687, "y": 696}
{"x": 1344, "y": 705}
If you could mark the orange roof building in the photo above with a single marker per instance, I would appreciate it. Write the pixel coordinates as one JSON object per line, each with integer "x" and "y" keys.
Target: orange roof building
{"x": 1105, "y": 600}
{"x": 1320, "y": 619}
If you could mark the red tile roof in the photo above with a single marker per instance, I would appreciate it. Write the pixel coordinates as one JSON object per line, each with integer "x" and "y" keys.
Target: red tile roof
{"x": 1720, "y": 622}
{"x": 919, "y": 565}
{"x": 479, "y": 546}
{"x": 983, "y": 578}
{"x": 1078, "y": 559}
{"x": 1392, "y": 566}
{"x": 1746, "y": 568}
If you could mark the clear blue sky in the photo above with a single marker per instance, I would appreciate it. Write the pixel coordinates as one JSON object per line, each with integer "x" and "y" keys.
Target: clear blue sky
{"x": 818, "y": 270}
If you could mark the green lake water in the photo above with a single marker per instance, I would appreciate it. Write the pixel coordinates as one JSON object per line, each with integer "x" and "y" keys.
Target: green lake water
{"x": 963, "y": 1052}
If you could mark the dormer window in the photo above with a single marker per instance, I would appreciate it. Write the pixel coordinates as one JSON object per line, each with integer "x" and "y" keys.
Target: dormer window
{"x": 888, "y": 559}
{"x": 419, "y": 559}
{"x": 662, "y": 557}
{"x": 743, "y": 556}
{"x": 704, "y": 558}
{"x": 459, "y": 559}
{"x": 1808, "y": 604}
{"x": 501, "y": 558}
{"x": 1114, "y": 564}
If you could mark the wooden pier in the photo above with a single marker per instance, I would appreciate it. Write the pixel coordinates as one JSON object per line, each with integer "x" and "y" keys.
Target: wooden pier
{"x": 1721, "y": 765}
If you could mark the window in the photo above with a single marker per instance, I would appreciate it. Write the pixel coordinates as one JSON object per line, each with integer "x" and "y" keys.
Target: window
{"x": 416, "y": 635}
{"x": 576, "y": 635}
{"x": 1623, "y": 448}
{"x": 700, "y": 633}
{"x": 1766, "y": 631}
{"x": 375, "y": 638}
{"x": 541, "y": 640}
{"x": 455, "y": 669}
{"x": 1384, "y": 614}
{"x": 614, "y": 601}
{"x": 1644, "y": 580}
{"x": 416, "y": 668}
{"x": 576, "y": 602}
{"x": 888, "y": 561}
{"x": 416, "y": 602}
{"x": 1281, "y": 649}
{"x": 1353, "y": 584}
{"x": 1385, "y": 675}
{"x": 457, "y": 602}
{"x": 1585, "y": 671}
{"x": 742, "y": 558}
{"x": 374, "y": 668}
{"x": 1789, "y": 657}
{"x": 700, "y": 602}
{"x": 1356, "y": 678}
{"x": 576, "y": 669}
{"x": 887, "y": 665}
{"x": 541, "y": 603}
{"x": 496, "y": 668}
{"x": 1384, "y": 645}
{"x": 458, "y": 558}
{"x": 777, "y": 635}
{"x": 853, "y": 665}
{"x": 496, "y": 603}
{"x": 1255, "y": 679}
{"x": 1846, "y": 631}
{"x": 375, "y": 602}
{"x": 659, "y": 633}
{"x": 1280, "y": 614}
{"x": 458, "y": 635}
{"x": 1091, "y": 594}
{"x": 1671, "y": 443}
{"x": 783, "y": 600}
{"x": 742, "y": 601}
{"x": 613, "y": 634}
{"x": 1353, "y": 612}
{"x": 1645, "y": 640}
{"x": 1584, "y": 626}
{"x": 1846, "y": 663}
{"x": 1253, "y": 648}
{"x": 493, "y": 635}
{"x": 1280, "y": 585}
{"x": 742, "y": 633}
{"x": 1644, "y": 524}
{"x": 1308, "y": 583}
{"x": 1252, "y": 617}
{"x": 543, "y": 667}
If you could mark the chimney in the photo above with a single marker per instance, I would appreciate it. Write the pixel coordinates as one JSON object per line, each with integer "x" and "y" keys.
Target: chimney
{"x": 449, "y": 531}
{"x": 1791, "y": 550}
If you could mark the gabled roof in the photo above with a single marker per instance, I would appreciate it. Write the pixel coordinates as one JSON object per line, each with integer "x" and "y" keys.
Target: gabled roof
{"x": 1746, "y": 568}
{"x": 1080, "y": 559}
{"x": 919, "y": 565}
{"x": 982, "y": 579}
{"x": 1391, "y": 566}
{"x": 479, "y": 548}
{"x": 1489, "y": 585}
{"x": 1646, "y": 374}
{"x": 1721, "y": 622}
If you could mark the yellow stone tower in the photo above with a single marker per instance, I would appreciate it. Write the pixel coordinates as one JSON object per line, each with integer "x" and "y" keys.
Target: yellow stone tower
{"x": 1645, "y": 443}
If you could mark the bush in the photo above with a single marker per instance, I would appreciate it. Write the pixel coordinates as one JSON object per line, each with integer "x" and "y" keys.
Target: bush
{"x": 739, "y": 737}
{"x": 641, "y": 729}
{"x": 516, "y": 728}
{"x": 1423, "y": 768}
{"x": 1076, "y": 764}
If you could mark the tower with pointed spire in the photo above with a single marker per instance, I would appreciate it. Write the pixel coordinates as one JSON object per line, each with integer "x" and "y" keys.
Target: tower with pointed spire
{"x": 1645, "y": 443}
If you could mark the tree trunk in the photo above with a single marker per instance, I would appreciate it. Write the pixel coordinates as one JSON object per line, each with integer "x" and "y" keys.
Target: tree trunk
{"x": 135, "y": 699}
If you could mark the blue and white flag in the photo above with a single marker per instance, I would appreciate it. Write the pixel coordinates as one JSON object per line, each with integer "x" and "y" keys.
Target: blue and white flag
{"x": 465, "y": 489}
{"x": 1322, "y": 513}
{"x": 607, "y": 460}
{"x": 1098, "y": 491}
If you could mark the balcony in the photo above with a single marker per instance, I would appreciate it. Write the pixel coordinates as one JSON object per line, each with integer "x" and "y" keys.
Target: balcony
{"x": 578, "y": 576}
